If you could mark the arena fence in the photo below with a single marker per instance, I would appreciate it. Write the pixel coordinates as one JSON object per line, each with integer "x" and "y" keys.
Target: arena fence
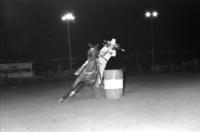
{"x": 50, "y": 70}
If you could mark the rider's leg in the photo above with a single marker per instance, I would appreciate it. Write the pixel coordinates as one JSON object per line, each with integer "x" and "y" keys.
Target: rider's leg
{"x": 98, "y": 81}
{"x": 102, "y": 66}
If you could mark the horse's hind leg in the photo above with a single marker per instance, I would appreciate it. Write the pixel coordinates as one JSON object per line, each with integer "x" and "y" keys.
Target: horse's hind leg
{"x": 69, "y": 92}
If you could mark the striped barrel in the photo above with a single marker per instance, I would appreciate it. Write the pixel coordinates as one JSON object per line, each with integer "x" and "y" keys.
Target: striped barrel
{"x": 113, "y": 83}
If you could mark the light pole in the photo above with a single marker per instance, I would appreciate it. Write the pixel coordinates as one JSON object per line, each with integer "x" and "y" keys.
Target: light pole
{"x": 69, "y": 17}
{"x": 151, "y": 15}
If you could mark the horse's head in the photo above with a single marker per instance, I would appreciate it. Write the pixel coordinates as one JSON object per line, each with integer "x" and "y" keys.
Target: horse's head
{"x": 93, "y": 51}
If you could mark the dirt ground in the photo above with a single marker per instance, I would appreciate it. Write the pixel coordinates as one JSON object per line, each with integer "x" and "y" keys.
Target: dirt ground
{"x": 151, "y": 103}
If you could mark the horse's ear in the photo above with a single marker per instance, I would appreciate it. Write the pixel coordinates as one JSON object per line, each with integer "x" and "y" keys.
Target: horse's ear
{"x": 90, "y": 45}
{"x": 97, "y": 46}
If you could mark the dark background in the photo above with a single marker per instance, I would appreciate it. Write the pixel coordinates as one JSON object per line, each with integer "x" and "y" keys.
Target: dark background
{"x": 32, "y": 29}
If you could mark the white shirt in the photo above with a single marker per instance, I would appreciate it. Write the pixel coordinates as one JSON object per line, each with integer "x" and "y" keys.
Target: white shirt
{"x": 107, "y": 53}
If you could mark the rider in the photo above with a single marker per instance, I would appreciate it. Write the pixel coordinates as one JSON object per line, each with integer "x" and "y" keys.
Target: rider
{"x": 106, "y": 52}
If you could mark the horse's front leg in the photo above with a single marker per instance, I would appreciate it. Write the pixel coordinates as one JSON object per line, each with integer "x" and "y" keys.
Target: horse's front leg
{"x": 70, "y": 92}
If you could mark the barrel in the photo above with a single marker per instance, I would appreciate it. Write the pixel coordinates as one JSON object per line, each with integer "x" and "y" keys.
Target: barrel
{"x": 113, "y": 83}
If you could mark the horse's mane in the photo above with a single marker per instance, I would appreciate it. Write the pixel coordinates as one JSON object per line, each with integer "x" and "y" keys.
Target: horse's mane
{"x": 93, "y": 52}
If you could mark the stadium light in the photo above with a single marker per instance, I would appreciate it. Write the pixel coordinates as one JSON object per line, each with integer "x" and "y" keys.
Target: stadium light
{"x": 151, "y": 15}
{"x": 67, "y": 18}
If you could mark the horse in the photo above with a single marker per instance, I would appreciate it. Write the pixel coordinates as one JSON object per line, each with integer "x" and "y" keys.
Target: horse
{"x": 88, "y": 74}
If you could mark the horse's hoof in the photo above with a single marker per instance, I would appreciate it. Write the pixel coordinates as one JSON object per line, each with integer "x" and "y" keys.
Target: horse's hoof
{"x": 72, "y": 94}
{"x": 61, "y": 100}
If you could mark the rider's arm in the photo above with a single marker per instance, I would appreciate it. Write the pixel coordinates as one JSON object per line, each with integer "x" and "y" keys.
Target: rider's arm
{"x": 114, "y": 53}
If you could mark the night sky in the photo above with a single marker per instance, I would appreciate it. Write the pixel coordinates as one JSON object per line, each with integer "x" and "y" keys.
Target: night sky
{"x": 32, "y": 29}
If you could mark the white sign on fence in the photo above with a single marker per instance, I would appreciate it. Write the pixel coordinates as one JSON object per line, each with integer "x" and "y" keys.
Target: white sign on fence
{"x": 15, "y": 70}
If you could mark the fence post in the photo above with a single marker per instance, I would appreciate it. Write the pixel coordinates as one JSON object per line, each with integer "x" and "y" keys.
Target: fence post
{"x": 1, "y": 78}
{"x": 140, "y": 69}
{"x": 184, "y": 65}
{"x": 171, "y": 67}
{"x": 19, "y": 77}
{"x": 49, "y": 75}
{"x": 196, "y": 64}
